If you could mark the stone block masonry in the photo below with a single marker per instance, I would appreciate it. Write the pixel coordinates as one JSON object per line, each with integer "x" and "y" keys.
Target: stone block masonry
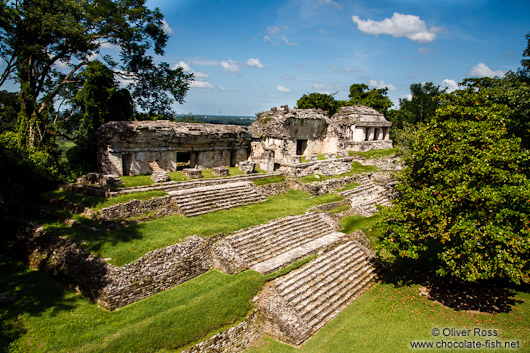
{"x": 111, "y": 286}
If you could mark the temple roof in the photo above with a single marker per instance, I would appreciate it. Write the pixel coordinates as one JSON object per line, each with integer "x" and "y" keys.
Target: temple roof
{"x": 360, "y": 115}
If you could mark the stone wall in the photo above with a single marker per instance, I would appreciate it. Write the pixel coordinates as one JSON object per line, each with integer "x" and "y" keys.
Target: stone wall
{"x": 233, "y": 340}
{"x": 112, "y": 286}
{"x": 325, "y": 167}
{"x": 324, "y": 187}
{"x": 274, "y": 189}
{"x": 162, "y": 206}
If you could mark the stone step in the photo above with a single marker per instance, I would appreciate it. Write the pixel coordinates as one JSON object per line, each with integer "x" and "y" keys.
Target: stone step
{"x": 224, "y": 206}
{"x": 312, "y": 297}
{"x": 248, "y": 236}
{"x": 349, "y": 294}
{"x": 221, "y": 198}
{"x": 191, "y": 195}
{"x": 333, "y": 271}
{"x": 280, "y": 233}
{"x": 297, "y": 253}
{"x": 289, "y": 281}
{"x": 278, "y": 247}
{"x": 357, "y": 190}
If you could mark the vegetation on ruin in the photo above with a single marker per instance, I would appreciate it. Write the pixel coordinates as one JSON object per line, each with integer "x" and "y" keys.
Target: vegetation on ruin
{"x": 270, "y": 180}
{"x": 124, "y": 245}
{"x": 374, "y": 154}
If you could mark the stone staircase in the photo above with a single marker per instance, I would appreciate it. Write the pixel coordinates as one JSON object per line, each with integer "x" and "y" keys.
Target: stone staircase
{"x": 269, "y": 247}
{"x": 205, "y": 199}
{"x": 295, "y": 306}
{"x": 365, "y": 197}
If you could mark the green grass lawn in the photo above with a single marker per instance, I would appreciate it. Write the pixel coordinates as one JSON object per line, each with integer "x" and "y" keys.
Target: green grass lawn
{"x": 141, "y": 180}
{"x": 357, "y": 168}
{"x": 270, "y": 180}
{"x": 49, "y": 318}
{"x": 125, "y": 245}
{"x": 374, "y": 153}
{"x": 388, "y": 317}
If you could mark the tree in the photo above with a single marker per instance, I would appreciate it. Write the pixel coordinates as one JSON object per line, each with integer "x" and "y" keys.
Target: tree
{"x": 9, "y": 108}
{"x": 464, "y": 194}
{"x": 318, "y": 101}
{"x": 45, "y": 44}
{"x": 524, "y": 71}
{"x": 100, "y": 100}
{"x": 375, "y": 98}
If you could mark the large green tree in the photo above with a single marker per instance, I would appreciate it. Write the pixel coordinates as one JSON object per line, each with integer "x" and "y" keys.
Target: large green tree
{"x": 322, "y": 101}
{"x": 375, "y": 98}
{"x": 46, "y": 43}
{"x": 464, "y": 194}
{"x": 99, "y": 100}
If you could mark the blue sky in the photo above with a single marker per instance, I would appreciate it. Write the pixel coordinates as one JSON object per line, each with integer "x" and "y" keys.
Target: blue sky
{"x": 248, "y": 56}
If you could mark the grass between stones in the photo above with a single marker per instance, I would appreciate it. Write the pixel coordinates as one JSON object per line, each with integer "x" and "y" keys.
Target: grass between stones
{"x": 47, "y": 317}
{"x": 141, "y": 180}
{"x": 357, "y": 168}
{"x": 271, "y": 180}
{"x": 374, "y": 153}
{"x": 125, "y": 245}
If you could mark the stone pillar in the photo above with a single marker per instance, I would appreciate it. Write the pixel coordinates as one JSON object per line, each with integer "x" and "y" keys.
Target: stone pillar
{"x": 370, "y": 134}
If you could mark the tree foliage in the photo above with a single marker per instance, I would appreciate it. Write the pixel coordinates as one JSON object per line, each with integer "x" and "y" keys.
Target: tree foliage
{"x": 375, "y": 98}
{"x": 464, "y": 194}
{"x": 322, "y": 101}
{"x": 99, "y": 100}
{"x": 46, "y": 43}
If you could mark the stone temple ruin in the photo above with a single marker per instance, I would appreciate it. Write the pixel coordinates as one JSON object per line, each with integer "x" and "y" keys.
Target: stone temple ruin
{"x": 278, "y": 136}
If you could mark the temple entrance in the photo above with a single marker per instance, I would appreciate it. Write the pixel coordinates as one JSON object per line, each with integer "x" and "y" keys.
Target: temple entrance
{"x": 301, "y": 146}
{"x": 126, "y": 162}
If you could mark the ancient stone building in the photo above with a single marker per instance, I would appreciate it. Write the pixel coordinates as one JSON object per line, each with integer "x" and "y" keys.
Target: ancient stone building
{"x": 281, "y": 133}
{"x": 277, "y": 136}
{"x": 360, "y": 128}
{"x": 128, "y": 147}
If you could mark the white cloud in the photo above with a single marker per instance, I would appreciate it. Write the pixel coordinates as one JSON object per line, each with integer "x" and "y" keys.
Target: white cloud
{"x": 291, "y": 44}
{"x": 399, "y": 25}
{"x": 322, "y": 31}
{"x": 166, "y": 28}
{"x": 61, "y": 65}
{"x": 381, "y": 84}
{"x": 230, "y": 66}
{"x": 272, "y": 30}
{"x": 481, "y": 70}
{"x": 109, "y": 46}
{"x": 330, "y": 3}
{"x": 322, "y": 88}
{"x": 345, "y": 69}
{"x": 283, "y": 89}
{"x": 201, "y": 84}
{"x": 270, "y": 40}
{"x": 254, "y": 62}
{"x": 451, "y": 85}
{"x": 199, "y": 74}
{"x": 205, "y": 62}
{"x": 424, "y": 50}
{"x": 185, "y": 67}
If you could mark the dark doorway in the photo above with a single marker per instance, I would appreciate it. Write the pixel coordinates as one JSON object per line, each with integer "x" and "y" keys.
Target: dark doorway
{"x": 126, "y": 162}
{"x": 183, "y": 157}
{"x": 301, "y": 145}
{"x": 233, "y": 158}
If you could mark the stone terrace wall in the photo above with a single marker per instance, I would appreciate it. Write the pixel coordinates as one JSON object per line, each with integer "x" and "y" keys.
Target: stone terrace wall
{"x": 112, "y": 286}
{"x": 274, "y": 189}
{"x": 163, "y": 206}
{"x": 233, "y": 340}
{"x": 326, "y": 186}
{"x": 326, "y": 167}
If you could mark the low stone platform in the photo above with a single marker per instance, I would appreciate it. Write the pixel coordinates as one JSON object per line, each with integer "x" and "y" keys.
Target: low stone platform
{"x": 272, "y": 246}
{"x": 296, "y": 305}
{"x": 365, "y": 197}
{"x": 196, "y": 201}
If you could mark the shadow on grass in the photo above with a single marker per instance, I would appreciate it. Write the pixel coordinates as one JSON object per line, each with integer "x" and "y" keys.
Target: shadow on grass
{"x": 30, "y": 293}
{"x": 491, "y": 296}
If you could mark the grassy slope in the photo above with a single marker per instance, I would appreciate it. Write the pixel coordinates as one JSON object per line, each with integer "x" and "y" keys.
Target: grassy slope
{"x": 374, "y": 153}
{"x": 128, "y": 244}
{"x": 98, "y": 203}
{"x": 52, "y": 318}
{"x": 387, "y": 318}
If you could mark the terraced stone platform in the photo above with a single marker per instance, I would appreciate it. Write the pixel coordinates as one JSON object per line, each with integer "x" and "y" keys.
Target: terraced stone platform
{"x": 205, "y": 199}
{"x": 269, "y": 247}
{"x": 295, "y": 306}
{"x": 365, "y": 197}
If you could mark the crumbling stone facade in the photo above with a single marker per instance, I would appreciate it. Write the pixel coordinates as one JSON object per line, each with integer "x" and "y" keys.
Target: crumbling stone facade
{"x": 130, "y": 147}
{"x": 277, "y": 137}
